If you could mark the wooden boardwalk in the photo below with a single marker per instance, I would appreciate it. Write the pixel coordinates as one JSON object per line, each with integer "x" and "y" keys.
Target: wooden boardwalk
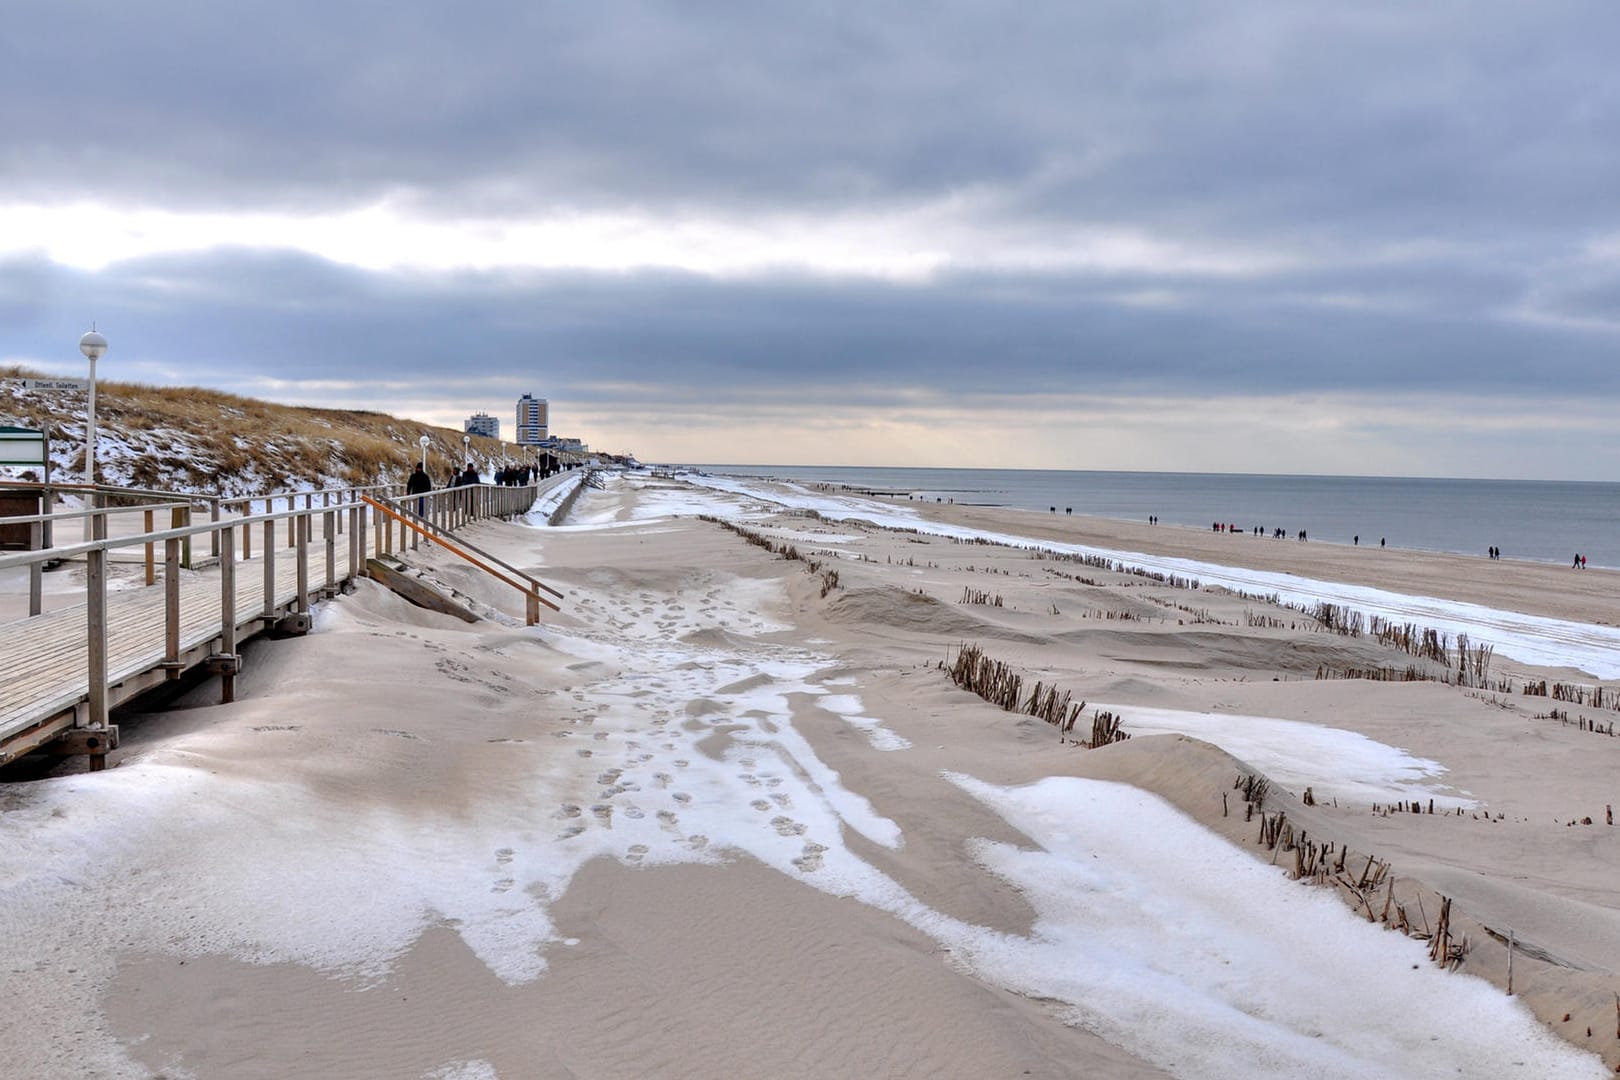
{"x": 62, "y": 670}
{"x": 46, "y": 658}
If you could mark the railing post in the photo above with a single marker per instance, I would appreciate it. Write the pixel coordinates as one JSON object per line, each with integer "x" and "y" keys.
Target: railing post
{"x": 227, "y": 610}
{"x": 151, "y": 561}
{"x": 303, "y": 561}
{"x": 213, "y": 517}
{"x": 247, "y": 531}
{"x": 36, "y": 570}
{"x": 351, "y": 540}
{"x": 331, "y": 548}
{"x": 96, "y": 627}
{"x": 360, "y": 534}
{"x": 270, "y": 571}
{"x": 292, "y": 522}
{"x": 171, "y": 607}
{"x": 180, "y": 518}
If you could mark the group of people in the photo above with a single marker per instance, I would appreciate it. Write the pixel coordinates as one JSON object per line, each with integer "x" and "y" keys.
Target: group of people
{"x": 1280, "y": 534}
{"x": 1580, "y": 562}
{"x": 1260, "y": 530}
{"x": 514, "y": 476}
{"x": 507, "y": 476}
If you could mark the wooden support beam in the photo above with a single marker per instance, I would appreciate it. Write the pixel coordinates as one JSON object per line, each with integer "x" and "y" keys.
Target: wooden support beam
{"x": 77, "y": 741}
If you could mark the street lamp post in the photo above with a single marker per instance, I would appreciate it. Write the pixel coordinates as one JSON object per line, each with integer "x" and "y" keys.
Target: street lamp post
{"x": 423, "y": 442}
{"x": 92, "y": 345}
{"x": 466, "y": 448}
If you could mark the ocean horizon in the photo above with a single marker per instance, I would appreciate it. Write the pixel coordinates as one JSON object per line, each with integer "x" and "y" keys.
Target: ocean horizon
{"x": 1545, "y": 521}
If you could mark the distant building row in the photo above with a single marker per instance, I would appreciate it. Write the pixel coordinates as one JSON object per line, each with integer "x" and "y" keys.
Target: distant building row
{"x": 533, "y": 426}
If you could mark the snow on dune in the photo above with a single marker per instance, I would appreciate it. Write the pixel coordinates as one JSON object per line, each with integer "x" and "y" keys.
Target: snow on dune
{"x": 1333, "y": 762}
{"x": 1211, "y": 966}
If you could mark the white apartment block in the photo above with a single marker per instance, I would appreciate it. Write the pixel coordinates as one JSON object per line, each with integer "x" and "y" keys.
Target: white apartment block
{"x": 481, "y": 423}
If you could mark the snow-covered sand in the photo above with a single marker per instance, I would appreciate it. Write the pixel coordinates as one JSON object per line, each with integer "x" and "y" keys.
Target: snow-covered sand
{"x": 708, "y": 820}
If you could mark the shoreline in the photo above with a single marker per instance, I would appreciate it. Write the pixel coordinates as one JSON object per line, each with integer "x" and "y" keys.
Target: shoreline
{"x": 1522, "y": 585}
{"x": 1411, "y": 512}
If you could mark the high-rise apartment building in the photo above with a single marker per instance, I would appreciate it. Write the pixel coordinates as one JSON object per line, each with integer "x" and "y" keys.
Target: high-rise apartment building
{"x": 481, "y": 423}
{"x": 533, "y": 423}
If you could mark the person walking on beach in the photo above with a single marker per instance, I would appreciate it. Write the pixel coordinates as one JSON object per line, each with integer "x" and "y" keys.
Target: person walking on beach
{"x": 1576, "y": 565}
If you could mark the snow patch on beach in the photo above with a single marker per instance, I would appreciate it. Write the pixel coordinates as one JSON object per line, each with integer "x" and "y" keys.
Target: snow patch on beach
{"x": 1210, "y": 966}
{"x": 848, "y": 708}
{"x": 463, "y": 1070}
{"x": 1532, "y": 639}
{"x": 1333, "y": 762}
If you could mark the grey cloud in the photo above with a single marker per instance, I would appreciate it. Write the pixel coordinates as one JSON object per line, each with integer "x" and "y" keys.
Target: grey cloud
{"x": 1197, "y": 117}
{"x": 218, "y": 319}
{"x": 1433, "y": 172}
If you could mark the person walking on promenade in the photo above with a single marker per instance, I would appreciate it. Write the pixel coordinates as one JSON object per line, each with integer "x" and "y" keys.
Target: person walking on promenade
{"x": 419, "y": 484}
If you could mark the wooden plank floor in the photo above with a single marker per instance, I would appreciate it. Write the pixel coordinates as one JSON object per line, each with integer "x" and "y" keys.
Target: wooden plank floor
{"x": 44, "y": 659}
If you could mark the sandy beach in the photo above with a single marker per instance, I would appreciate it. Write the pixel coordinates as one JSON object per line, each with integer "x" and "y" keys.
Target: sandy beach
{"x": 723, "y": 815}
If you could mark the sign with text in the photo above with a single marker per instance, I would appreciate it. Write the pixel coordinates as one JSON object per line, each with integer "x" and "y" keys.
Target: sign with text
{"x": 56, "y": 384}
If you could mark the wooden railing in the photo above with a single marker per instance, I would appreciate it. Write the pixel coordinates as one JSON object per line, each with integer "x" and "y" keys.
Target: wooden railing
{"x": 365, "y": 517}
{"x": 421, "y": 527}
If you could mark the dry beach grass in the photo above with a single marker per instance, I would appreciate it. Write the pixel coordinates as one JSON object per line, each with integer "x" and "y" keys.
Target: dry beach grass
{"x": 191, "y": 439}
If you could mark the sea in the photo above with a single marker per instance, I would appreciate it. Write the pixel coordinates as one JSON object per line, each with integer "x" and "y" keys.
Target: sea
{"x": 1547, "y": 521}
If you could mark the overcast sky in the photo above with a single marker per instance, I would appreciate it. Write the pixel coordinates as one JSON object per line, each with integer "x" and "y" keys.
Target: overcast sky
{"x": 1370, "y": 238}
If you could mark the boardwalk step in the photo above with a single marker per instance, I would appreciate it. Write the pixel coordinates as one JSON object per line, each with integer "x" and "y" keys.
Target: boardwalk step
{"x": 416, "y": 591}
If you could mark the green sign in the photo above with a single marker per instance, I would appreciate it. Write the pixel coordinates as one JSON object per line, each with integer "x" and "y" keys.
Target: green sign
{"x": 20, "y": 446}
